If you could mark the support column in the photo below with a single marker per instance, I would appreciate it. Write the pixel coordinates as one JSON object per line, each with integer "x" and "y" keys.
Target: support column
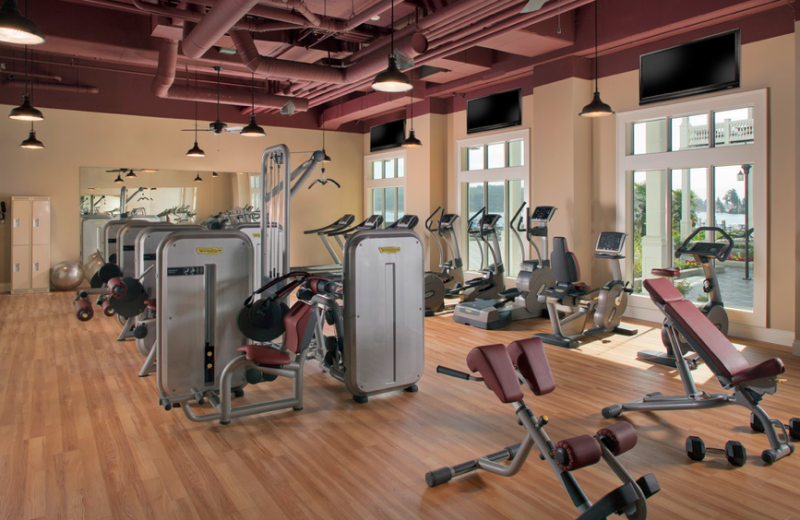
{"x": 655, "y": 241}
{"x": 686, "y": 204}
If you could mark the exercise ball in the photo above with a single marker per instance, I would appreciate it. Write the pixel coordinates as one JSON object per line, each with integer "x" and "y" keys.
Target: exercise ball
{"x": 92, "y": 266}
{"x": 66, "y": 276}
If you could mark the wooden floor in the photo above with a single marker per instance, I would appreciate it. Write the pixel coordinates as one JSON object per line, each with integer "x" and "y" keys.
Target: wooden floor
{"x": 81, "y": 436}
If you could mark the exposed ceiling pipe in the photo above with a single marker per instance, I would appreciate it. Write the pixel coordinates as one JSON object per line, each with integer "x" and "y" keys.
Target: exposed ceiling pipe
{"x": 370, "y": 12}
{"x": 244, "y": 24}
{"x": 272, "y": 67}
{"x": 163, "y": 86}
{"x": 13, "y": 75}
{"x": 214, "y": 25}
{"x": 466, "y": 18}
{"x": 302, "y": 8}
{"x": 60, "y": 87}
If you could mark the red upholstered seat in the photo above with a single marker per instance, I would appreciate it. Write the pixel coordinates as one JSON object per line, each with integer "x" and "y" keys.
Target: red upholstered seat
{"x": 296, "y": 324}
{"x": 662, "y": 291}
{"x": 495, "y": 366}
{"x": 265, "y": 355}
{"x": 769, "y": 368}
{"x": 529, "y": 357}
{"x": 669, "y": 272}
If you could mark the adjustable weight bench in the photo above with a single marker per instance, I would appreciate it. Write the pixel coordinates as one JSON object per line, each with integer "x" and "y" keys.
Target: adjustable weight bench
{"x": 502, "y": 370}
{"x": 749, "y": 383}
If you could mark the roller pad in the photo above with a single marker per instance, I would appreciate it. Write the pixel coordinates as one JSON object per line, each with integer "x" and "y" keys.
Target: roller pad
{"x": 495, "y": 366}
{"x": 108, "y": 310}
{"x": 619, "y": 437}
{"x": 529, "y": 356}
{"x": 116, "y": 287}
{"x": 578, "y": 452}
{"x": 83, "y": 309}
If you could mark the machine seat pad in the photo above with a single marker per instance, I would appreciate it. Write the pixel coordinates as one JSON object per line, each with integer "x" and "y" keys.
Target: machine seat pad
{"x": 529, "y": 356}
{"x": 264, "y": 355}
{"x": 662, "y": 291}
{"x": 669, "y": 272}
{"x": 495, "y": 366}
{"x": 151, "y": 304}
{"x": 769, "y": 368}
{"x": 726, "y": 361}
{"x": 581, "y": 286}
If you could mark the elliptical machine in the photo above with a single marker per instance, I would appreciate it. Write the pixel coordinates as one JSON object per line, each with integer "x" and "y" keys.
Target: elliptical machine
{"x": 605, "y": 305}
{"x": 451, "y": 272}
{"x": 704, "y": 253}
{"x": 535, "y": 276}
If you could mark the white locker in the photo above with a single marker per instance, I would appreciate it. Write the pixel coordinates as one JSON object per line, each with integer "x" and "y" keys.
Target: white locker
{"x": 30, "y": 240}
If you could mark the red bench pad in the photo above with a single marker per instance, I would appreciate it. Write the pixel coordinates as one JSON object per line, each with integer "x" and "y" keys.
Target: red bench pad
{"x": 662, "y": 291}
{"x": 495, "y": 366}
{"x": 296, "y": 323}
{"x": 769, "y": 368}
{"x": 529, "y": 356}
{"x": 265, "y": 355}
{"x": 670, "y": 272}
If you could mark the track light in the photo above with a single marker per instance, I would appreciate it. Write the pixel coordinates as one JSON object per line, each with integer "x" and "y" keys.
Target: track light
{"x": 198, "y": 178}
{"x": 195, "y": 151}
{"x": 26, "y": 111}
{"x": 252, "y": 129}
{"x": 118, "y": 180}
{"x": 391, "y": 79}
{"x": 596, "y": 108}
{"x": 31, "y": 143}
{"x": 15, "y": 28}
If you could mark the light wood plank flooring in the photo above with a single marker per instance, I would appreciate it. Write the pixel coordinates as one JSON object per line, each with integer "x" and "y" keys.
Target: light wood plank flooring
{"x": 82, "y": 437}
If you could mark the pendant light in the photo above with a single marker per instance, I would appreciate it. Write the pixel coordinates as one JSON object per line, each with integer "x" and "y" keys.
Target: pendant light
{"x": 118, "y": 180}
{"x": 252, "y": 129}
{"x": 15, "y": 28}
{"x": 411, "y": 141}
{"x": 391, "y": 79}
{"x": 195, "y": 151}
{"x": 26, "y": 111}
{"x": 31, "y": 143}
{"x": 214, "y": 175}
{"x": 326, "y": 158}
{"x": 130, "y": 175}
{"x": 198, "y": 178}
{"x": 596, "y": 108}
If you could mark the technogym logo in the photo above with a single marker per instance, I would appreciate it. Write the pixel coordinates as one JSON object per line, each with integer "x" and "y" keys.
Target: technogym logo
{"x": 209, "y": 250}
{"x": 389, "y": 250}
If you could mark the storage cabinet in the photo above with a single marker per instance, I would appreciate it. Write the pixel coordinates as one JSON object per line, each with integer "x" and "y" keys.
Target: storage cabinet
{"x": 30, "y": 244}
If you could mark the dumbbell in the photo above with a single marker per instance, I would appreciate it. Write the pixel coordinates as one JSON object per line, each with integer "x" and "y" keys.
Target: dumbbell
{"x": 734, "y": 451}
{"x": 793, "y": 428}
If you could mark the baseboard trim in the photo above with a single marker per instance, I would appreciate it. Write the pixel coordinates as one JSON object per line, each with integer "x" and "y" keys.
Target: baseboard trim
{"x": 784, "y": 338}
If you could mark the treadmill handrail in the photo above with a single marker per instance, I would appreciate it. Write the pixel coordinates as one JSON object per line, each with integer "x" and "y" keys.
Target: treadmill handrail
{"x": 350, "y": 218}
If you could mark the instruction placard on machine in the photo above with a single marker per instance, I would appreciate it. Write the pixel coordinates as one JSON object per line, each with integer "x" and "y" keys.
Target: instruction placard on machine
{"x": 186, "y": 271}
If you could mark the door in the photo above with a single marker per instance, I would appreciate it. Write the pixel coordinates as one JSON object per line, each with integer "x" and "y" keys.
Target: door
{"x": 21, "y": 222}
{"x": 40, "y": 267}
{"x": 20, "y": 268}
{"x": 40, "y": 231}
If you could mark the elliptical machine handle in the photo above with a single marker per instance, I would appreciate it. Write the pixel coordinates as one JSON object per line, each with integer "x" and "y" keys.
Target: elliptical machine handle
{"x": 429, "y": 220}
{"x": 723, "y": 253}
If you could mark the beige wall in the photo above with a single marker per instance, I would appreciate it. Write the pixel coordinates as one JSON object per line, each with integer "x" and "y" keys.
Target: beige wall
{"x": 74, "y": 139}
{"x": 765, "y": 64}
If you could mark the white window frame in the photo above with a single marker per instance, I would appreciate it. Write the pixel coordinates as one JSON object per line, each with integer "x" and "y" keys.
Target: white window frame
{"x": 756, "y": 153}
{"x": 511, "y": 173}
{"x": 395, "y": 182}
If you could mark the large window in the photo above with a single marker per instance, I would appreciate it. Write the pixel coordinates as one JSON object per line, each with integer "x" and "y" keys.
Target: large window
{"x": 385, "y": 186}
{"x": 676, "y": 177}
{"x": 493, "y": 174}
{"x": 255, "y": 191}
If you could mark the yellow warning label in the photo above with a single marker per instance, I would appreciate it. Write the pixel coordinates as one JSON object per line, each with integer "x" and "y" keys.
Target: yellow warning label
{"x": 389, "y": 250}
{"x": 256, "y": 235}
{"x": 209, "y": 250}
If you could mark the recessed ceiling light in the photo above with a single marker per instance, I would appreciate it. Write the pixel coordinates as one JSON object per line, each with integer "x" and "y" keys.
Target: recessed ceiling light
{"x": 375, "y": 18}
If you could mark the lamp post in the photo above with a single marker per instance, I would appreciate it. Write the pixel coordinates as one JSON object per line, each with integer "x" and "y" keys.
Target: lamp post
{"x": 743, "y": 175}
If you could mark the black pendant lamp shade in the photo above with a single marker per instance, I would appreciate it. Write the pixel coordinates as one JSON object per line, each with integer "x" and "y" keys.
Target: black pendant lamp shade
{"x": 26, "y": 111}
{"x": 130, "y": 175}
{"x": 252, "y": 129}
{"x": 198, "y": 178}
{"x": 15, "y": 28}
{"x": 214, "y": 174}
{"x": 195, "y": 151}
{"x": 31, "y": 143}
{"x": 118, "y": 180}
{"x": 597, "y": 108}
{"x": 412, "y": 141}
{"x": 391, "y": 79}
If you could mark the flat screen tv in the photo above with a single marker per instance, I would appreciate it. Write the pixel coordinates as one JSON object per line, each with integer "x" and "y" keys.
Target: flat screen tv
{"x": 495, "y": 111}
{"x": 387, "y": 135}
{"x": 697, "y": 67}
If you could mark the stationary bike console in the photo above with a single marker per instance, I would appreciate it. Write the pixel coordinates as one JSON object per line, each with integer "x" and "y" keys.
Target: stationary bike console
{"x": 706, "y": 250}
{"x": 610, "y": 244}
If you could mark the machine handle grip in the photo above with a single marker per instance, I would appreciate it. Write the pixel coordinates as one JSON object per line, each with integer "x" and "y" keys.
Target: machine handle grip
{"x": 518, "y": 212}
{"x": 723, "y": 253}
{"x": 429, "y": 220}
{"x": 452, "y": 373}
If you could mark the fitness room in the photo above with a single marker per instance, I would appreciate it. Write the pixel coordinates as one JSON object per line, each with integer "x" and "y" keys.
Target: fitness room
{"x": 599, "y": 195}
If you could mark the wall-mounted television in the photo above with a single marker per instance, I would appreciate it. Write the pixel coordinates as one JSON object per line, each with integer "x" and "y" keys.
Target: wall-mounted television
{"x": 495, "y": 111}
{"x": 387, "y": 135}
{"x": 697, "y": 67}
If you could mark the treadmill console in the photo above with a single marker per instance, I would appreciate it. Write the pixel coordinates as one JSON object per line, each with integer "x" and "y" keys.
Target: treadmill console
{"x": 610, "y": 242}
{"x": 345, "y": 221}
{"x": 489, "y": 222}
{"x": 543, "y": 213}
{"x": 372, "y": 222}
{"x": 405, "y": 222}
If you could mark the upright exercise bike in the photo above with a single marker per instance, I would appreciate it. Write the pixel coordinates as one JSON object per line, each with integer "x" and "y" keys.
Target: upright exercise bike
{"x": 705, "y": 253}
{"x": 605, "y": 305}
{"x": 521, "y": 302}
